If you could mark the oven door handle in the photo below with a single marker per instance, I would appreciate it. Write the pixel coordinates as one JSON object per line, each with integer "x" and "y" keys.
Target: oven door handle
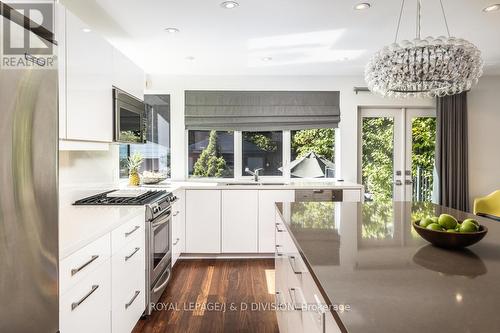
{"x": 160, "y": 287}
{"x": 158, "y": 224}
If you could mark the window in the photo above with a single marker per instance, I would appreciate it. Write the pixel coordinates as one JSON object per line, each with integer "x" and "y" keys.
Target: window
{"x": 318, "y": 141}
{"x": 211, "y": 154}
{"x": 263, "y": 150}
{"x": 156, "y": 151}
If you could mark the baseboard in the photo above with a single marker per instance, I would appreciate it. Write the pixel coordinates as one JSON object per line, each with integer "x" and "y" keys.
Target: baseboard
{"x": 188, "y": 256}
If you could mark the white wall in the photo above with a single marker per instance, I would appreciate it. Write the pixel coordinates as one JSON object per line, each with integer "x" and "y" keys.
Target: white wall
{"x": 89, "y": 168}
{"x": 349, "y": 104}
{"x": 484, "y": 138}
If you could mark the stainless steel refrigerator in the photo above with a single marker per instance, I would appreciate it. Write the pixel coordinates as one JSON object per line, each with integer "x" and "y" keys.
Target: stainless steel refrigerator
{"x": 28, "y": 186}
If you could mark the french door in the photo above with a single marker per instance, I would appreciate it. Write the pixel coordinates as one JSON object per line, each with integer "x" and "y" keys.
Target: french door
{"x": 396, "y": 154}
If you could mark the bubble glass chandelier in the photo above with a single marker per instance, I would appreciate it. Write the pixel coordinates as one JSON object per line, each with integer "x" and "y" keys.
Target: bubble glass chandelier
{"x": 427, "y": 67}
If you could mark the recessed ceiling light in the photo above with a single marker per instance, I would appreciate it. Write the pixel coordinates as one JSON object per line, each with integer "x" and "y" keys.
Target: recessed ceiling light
{"x": 267, "y": 59}
{"x": 492, "y": 8}
{"x": 229, "y": 4}
{"x": 86, "y": 30}
{"x": 362, "y": 6}
{"x": 190, "y": 58}
{"x": 172, "y": 30}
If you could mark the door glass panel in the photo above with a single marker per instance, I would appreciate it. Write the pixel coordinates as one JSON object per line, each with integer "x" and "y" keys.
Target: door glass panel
{"x": 378, "y": 158}
{"x": 422, "y": 157}
{"x": 161, "y": 244}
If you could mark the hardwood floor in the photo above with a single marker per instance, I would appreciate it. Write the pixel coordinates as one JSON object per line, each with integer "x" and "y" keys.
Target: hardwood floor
{"x": 200, "y": 291}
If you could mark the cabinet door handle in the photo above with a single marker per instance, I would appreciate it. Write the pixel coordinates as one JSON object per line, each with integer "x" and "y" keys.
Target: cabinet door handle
{"x": 176, "y": 213}
{"x": 137, "y": 292}
{"x": 176, "y": 241}
{"x": 77, "y": 304}
{"x": 292, "y": 262}
{"x": 318, "y": 191}
{"x": 321, "y": 312}
{"x": 278, "y": 252}
{"x": 132, "y": 231}
{"x": 278, "y": 228}
{"x": 296, "y": 305}
{"x": 76, "y": 270}
{"x": 132, "y": 254}
{"x": 279, "y": 299}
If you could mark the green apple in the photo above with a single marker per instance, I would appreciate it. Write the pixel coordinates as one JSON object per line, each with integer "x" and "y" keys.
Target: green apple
{"x": 452, "y": 230}
{"x": 447, "y": 221}
{"x": 435, "y": 219}
{"x": 472, "y": 221}
{"x": 425, "y": 222}
{"x": 468, "y": 226}
{"x": 435, "y": 227}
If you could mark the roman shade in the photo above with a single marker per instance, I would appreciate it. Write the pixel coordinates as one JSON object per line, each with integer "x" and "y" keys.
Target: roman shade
{"x": 261, "y": 110}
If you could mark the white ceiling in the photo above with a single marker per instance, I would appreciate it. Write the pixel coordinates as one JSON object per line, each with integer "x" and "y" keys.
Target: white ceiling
{"x": 303, "y": 37}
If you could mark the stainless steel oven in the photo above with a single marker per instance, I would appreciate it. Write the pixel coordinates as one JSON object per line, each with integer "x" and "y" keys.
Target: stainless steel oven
{"x": 159, "y": 249}
{"x": 130, "y": 118}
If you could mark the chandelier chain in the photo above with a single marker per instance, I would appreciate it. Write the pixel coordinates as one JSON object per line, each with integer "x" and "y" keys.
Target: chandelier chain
{"x": 444, "y": 17}
{"x": 399, "y": 20}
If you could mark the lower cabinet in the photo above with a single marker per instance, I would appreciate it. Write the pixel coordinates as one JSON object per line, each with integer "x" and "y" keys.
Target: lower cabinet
{"x": 239, "y": 221}
{"x": 178, "y": 225}
{"x": 86, "y": 307}
{"x": 203, "y": 221}
{"x": 103, "y": 284}
{"x": 300, "y": 305}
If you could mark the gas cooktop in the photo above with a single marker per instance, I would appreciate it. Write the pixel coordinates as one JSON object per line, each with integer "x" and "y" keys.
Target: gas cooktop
{"x": 107, "y": 198}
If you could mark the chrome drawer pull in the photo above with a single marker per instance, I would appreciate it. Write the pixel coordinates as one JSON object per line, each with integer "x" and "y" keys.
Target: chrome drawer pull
{"x": 321, "y": 312}
{"x": 295, "y": 304}
{"x": 278, "y": 252}
{"x": 77, "y": 304}
{"x": 176, "y": 241}
{"x": 76, "y": 270}
{"x": 132, "y": 254}
{"x": 137, "y": 292}
{"x": 278, "y": 229}
{"x": 176, "y": 213}
{"x": 279, "y": 298}
{"x": 132, "y": 231}
{"x": 318, "y": 191}
{"x": 292, "y": 259}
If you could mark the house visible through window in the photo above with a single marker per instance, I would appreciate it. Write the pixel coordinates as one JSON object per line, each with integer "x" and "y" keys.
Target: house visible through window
{"x": 319, "y": 145}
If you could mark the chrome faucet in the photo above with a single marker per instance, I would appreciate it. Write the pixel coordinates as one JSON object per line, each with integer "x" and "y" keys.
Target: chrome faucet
{"x": 254, "y": 173}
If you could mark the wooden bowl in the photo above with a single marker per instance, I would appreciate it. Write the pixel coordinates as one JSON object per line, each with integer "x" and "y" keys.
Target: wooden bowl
{"x": 450, "y": 240}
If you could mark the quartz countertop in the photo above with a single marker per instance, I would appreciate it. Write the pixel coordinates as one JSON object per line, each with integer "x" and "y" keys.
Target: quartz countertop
{"x": 275, "y": 184}
{"x": 81, "y": 225}
{"x": 369, "y": 257}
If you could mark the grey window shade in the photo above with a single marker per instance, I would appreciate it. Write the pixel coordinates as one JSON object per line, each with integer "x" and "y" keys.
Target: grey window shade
{"x": 261, "y": 110}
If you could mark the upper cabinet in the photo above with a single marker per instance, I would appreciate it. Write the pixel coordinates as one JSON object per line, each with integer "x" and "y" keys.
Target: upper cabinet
{"x": 89, "y": 104}
{"x": 128, "y": 76}
{"x": 89, "y": 67}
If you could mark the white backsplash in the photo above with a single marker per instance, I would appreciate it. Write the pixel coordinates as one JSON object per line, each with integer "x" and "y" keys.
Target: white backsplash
{"x": 89, "y": 168}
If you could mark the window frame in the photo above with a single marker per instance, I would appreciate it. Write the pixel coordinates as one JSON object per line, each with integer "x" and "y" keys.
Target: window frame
{"x": 238, "y": 159}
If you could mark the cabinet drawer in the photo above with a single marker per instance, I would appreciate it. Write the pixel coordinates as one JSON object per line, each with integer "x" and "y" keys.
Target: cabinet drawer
{"x": 129, "y": 302}
{"x": 318, "y": 195}
{"x": 129, "y": 263}
{"x": 123, "y": 234}
{"x": 77, "y": 266}
{"x": 86, "y": 307}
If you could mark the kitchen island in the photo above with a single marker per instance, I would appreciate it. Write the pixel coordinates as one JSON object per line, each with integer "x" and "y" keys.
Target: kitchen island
{"x": 374, "y": 273}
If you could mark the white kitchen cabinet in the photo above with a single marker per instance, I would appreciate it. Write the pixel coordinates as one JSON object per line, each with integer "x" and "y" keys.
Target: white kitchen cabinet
{"x": 267, "y": 200}
{"x": 127, "y": 75}
{"x": 87, "y": 306}
{"x": 128, "y": 272}
{"x": 240, "y": 221}
{"x": 89, "y": 60}
{"x": 203, "y": 221}
{"x": 178, "y": 225}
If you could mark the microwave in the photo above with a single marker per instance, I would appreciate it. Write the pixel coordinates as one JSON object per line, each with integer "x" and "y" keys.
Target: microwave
{"x": 129, "y": 118}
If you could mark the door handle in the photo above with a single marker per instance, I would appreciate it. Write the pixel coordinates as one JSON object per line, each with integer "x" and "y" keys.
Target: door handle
{"x": 398, "y": 182}
{"x": 76, "y": 270}
{"x": 132, "y": 254}
{"x": 78, "y": 303}
{"x": 132, "y": 231}
{"x": 290, "y": 260}
{"x": 278, "y": 252}
{"x": 278, "y": 229}
{"x": 408, "y": 182}
{"x": 176, "y": 241}
{"x": 176, "y": 213}
{"x": 295, "y": 304}
{"x": 137, "y": 292}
